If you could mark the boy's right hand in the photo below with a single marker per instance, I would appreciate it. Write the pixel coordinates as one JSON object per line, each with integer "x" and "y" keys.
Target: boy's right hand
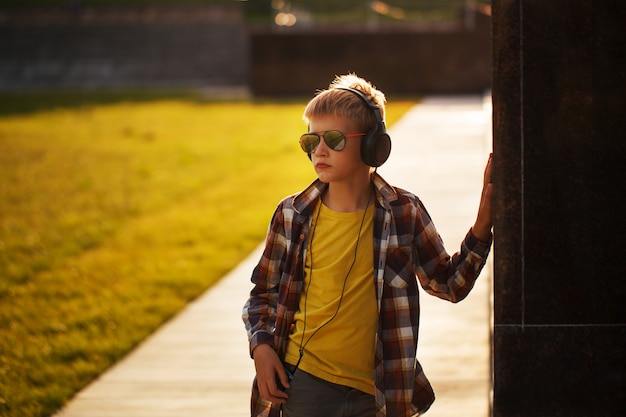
{"x": 269, "y": 370}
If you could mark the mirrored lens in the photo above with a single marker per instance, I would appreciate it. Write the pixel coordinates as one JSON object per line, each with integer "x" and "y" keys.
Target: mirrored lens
{"x": 333, "y": 138}
{"x": 309, "y": 141}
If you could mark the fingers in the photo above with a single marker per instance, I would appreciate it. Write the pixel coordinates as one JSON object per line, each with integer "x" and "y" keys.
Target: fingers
{"x": 482, "y": 226}
{"x": 487, "y": 177}
{"x": 485, "y": 197}
{"x": 487, "y": 201}
{"x": 282, "y": 379}
{"x": 270, "y": 390}
{"x": 269, "y": 387}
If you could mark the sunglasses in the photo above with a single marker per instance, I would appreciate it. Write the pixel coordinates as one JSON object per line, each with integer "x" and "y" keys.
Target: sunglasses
{"x": 334, "y": 139}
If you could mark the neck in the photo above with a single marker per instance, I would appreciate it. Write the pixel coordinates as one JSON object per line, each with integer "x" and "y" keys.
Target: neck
{"x": 348, "y": 197}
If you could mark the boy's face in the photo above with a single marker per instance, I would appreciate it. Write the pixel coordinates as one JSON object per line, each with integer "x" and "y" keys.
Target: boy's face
{"x": 337, "y": 166}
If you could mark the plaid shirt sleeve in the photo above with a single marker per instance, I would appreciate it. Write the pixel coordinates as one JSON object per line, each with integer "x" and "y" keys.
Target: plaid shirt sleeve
{"x": 448, "y": 277}
{"x": 259, "y": 313}
{"x": 277, "y": 283}
{"x": 277, "y": 278}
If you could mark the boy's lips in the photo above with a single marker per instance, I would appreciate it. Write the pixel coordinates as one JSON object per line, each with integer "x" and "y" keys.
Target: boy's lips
{"x": 321, "y": 165}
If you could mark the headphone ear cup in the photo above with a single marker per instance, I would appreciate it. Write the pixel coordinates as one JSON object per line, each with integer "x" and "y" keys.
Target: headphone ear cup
{"x": 376, "y": 147}
{"x": 382, "y": 149}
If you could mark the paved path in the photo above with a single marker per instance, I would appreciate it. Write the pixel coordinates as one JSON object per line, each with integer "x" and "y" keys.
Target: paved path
{"x": 197, "y": 364}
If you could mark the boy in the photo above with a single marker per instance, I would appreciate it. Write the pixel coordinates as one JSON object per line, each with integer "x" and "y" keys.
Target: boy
{"x": 333, "y": 316}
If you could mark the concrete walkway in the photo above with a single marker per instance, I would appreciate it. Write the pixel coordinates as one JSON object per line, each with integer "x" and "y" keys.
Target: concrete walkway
{"x": 198, "y": 365}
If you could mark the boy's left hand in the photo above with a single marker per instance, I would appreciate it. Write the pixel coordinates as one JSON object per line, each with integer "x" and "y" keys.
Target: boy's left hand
{"x": 484, "y": 222}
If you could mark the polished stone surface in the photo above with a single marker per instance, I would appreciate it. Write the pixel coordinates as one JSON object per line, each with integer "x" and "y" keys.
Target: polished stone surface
{"x": 559, "y": 371}
{"x": 560, "y": 319}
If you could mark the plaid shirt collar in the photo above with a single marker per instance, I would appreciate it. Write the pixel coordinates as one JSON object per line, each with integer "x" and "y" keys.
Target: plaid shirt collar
{"x": 305, "y": 202}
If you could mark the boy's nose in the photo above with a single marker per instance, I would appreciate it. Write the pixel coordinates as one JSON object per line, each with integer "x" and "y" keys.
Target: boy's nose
{"x": 321, "y": 148}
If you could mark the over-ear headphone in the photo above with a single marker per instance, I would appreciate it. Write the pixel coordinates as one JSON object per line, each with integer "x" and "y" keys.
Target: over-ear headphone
{"x": 376, "y": 144}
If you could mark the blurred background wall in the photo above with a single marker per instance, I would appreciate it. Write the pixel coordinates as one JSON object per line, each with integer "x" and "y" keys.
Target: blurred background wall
{"x": 114, "y": 46}
{"x": 265, "y": 47}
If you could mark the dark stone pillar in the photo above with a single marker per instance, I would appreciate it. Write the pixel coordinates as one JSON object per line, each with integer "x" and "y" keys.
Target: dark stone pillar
{"x": 559, "y": 93}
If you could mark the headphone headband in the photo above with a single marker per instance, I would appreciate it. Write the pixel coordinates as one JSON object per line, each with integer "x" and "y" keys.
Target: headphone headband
{"x": 368, "y": 101}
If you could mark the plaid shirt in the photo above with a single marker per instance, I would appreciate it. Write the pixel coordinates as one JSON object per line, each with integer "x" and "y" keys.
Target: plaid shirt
{"x": 406, "y": 246}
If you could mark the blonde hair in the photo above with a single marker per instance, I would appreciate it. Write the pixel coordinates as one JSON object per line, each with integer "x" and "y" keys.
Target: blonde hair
{"x": 343, "y": 103}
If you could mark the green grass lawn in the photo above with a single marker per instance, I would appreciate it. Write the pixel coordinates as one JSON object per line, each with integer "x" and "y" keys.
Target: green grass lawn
{"x": 115, "y": 212}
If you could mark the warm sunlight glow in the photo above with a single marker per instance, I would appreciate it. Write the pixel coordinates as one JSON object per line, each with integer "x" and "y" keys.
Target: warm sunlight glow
{"x": 387, "y": 10}
{"x": 285, "y": 19}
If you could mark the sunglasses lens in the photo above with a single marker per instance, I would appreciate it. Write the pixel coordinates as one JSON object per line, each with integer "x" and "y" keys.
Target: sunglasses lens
{"x": 335, "y": 140}
{"x": 309, "y": 142}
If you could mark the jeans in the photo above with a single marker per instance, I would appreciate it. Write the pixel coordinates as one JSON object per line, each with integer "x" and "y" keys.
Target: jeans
{"x": 310, "y": 396}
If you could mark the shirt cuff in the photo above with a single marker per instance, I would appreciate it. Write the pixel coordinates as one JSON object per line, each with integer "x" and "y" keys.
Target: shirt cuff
{"x": 260, "y": 338}
{"x": 476, "y": 245}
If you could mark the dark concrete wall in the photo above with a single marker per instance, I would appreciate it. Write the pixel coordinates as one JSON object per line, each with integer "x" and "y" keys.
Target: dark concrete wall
{"x": 559, "y": 291}
{"x": 409, "y": 61}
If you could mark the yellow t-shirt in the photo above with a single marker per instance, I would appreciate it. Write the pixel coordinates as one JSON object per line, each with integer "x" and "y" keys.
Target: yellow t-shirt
{"x": 340, "y": 350}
